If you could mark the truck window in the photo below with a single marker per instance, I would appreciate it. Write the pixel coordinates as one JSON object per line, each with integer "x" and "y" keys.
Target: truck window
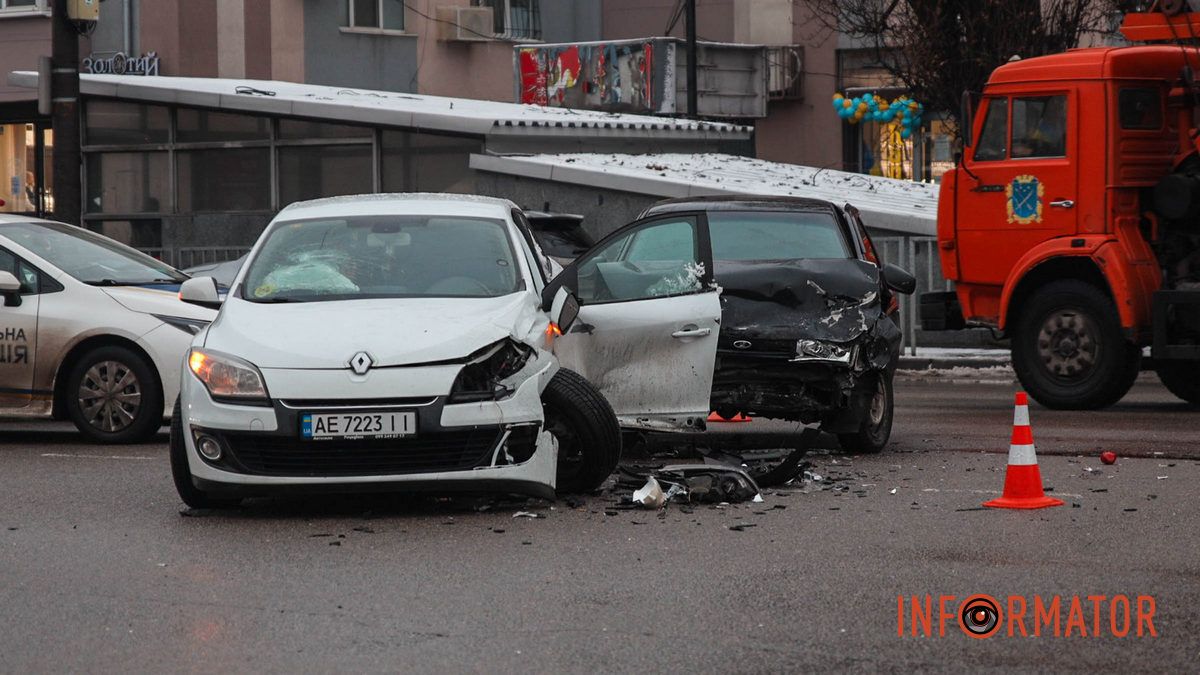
{"x": 993, "y": 141}
{"x": 1140, "y": 108}
{"x": 1039, "y": 126}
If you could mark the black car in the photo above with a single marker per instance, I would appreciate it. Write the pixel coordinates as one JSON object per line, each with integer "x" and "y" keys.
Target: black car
{"x": 809, "y": 313}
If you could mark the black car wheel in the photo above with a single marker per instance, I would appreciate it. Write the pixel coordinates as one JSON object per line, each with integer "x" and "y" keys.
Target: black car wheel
{"x": 182, "y": 475}
{"x": 1068, "y": 348}
{"x": 113, "y": 396}
{"x": 876, "y": 428}
{"x": 583, "y": 423}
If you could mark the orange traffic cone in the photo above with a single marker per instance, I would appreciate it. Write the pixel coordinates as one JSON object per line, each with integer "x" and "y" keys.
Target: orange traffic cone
{"x": 714, "y": 417}
{"x": 1023, "y": 480}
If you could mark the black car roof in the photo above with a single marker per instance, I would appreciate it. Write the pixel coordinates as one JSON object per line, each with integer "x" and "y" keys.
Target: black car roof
{"x": 739, "y": 203}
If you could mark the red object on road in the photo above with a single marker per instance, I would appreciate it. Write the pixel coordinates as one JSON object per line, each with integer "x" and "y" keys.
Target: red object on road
{"x": 1108, "y": 457}
{"x": 1023, "y": 479}
{"x": 714, "y": 417}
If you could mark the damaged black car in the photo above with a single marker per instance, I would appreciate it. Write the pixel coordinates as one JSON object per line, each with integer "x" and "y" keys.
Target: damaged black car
{"x": 809, "y": 314}
{"x": 768, "y": 307}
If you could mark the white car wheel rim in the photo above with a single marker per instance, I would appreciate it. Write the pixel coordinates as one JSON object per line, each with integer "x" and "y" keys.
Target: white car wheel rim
{"x": 110, "y": 396}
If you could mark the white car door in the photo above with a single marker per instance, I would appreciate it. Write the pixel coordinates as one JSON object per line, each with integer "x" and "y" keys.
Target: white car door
{"x": 18, "y": 335}
{"x": 649, "y": 315}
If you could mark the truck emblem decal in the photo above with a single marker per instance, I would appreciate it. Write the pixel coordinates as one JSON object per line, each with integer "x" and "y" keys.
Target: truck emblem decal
{"x": 1025, "y": 199}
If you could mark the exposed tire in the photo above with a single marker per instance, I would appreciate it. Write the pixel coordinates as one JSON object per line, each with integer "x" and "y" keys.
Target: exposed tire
{"x": 1068, "y": 348}
{"x": 188, "y": 492}
{"x": 583, "y": 423}
{"x": 1181, "y": 378}
{"x": 113, "y": 395}
{"x": 876, "y": 428}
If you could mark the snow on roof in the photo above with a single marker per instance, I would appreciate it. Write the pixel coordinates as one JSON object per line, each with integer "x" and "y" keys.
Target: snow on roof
{"x": 885, "y": 203}
{"x": 345, "y": 104}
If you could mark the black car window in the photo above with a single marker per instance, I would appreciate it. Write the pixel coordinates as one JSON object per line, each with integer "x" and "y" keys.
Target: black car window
{"x": 776, "y": 235}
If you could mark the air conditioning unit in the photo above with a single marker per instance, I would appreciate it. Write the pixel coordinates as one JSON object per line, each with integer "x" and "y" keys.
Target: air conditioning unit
{"x": 465, "y": 24}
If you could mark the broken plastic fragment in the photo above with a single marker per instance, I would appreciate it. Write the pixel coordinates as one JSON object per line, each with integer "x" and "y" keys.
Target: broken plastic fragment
{"x": 650, "y": 495}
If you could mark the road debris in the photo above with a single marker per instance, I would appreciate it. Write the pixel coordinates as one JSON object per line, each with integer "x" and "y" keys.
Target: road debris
{"x": 1108, "y": 457}
{"x": 528, "y": 514}
{"x": 650, "y": 495}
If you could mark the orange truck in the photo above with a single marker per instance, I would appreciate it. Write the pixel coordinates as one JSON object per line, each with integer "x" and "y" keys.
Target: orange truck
{"x": 1071, "y": 223}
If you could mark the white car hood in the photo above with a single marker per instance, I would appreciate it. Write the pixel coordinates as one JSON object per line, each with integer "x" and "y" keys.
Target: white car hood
{"x": 394, "y": 331}
{"x": 157, "y": 301}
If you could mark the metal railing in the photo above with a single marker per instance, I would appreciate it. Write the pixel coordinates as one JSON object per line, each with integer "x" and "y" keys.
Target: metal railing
{"x": 188, "y": 256}
{"x": 919, "y": 256}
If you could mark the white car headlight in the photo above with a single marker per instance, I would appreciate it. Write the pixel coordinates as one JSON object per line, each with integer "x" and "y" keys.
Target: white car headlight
{"x": 228, "y": 377}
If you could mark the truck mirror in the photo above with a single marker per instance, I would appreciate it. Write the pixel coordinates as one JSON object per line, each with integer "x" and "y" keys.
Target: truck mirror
{"x": 966, "y": 117}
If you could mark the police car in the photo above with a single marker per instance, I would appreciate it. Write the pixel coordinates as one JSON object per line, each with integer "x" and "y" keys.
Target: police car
{"x": 90, "y": 330}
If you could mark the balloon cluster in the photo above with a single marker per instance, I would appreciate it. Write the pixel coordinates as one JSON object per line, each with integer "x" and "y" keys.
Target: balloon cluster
{"x": 873, "y": 108}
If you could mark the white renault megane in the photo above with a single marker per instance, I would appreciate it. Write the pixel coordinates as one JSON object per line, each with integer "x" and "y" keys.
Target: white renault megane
{"x": 387, "y": 342}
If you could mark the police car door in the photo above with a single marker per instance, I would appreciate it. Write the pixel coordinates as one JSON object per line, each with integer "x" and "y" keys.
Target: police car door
{"x": 18, "y": 334}
{"x": 648, "y": 319}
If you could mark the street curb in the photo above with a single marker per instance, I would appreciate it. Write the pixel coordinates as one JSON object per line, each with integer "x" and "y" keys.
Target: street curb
{"x": 935, "y": 363}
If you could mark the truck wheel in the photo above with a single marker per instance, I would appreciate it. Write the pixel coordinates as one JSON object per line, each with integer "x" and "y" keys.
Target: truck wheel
{"x": 1069, "y": 350}
{"x": 876, "y": 428}
{"x": 1181, "y": 378}
{"x": 182, "y": 475}
{"x": 583, "y": 423}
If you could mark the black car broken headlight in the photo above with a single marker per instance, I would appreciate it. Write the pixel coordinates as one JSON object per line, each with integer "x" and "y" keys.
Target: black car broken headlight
{"x": 481, "y": 378}
{"x": 821, "y": 351}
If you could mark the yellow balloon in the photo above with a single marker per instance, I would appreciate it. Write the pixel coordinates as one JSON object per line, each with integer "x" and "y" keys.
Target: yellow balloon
{"x": 846, "y": 103}
{"x": 838, "y": 97}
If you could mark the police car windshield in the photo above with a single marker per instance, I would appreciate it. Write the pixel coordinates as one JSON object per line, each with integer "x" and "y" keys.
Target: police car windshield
{"x": 90, "y": 257}
{"x": 383, "y": 257}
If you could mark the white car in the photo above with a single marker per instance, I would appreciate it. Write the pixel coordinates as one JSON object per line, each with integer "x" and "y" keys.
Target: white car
{"x": 407, "y": 341}
{"x": 90, "y": 330}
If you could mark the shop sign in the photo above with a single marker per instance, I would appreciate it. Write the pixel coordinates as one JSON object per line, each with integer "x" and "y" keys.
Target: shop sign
{"x": 120, "y": 64}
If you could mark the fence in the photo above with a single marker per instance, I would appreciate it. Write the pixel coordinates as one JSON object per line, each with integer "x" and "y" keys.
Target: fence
{"x": 918, "y": 255}
{"x": 190, "y": 256}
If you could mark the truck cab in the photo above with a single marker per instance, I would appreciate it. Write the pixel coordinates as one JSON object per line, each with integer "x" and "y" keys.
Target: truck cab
{"x": 1072, "y": 208}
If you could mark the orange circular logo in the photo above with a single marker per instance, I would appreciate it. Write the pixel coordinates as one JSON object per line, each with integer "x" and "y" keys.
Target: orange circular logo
{"x": 979, "y": 616}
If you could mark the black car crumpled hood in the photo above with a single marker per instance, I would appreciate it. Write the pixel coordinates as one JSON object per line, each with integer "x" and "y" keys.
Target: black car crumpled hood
{"x": 778, "y": 302}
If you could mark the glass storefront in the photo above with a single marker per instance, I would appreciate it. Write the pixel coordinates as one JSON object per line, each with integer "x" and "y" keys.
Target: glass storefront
{"x": 25, "y": 168}
{"x": 149, "y": 164}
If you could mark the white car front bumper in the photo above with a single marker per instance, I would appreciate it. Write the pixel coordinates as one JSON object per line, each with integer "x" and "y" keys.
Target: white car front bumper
{"x": 492, "y": 446}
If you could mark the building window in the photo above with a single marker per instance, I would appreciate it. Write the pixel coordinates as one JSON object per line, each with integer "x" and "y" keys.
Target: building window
{"x": 128, "y": 182}
{"x": 416, "y": 162}
{"x": 23, "y": 6}
{"x": 516, "y": 19}
{"x": 312, "y": 171}
{"x": 376, "y": 14}
{"x": 204, "y": 126}
{"x": 223, "y": 180}
{"x": 117, "y": 123}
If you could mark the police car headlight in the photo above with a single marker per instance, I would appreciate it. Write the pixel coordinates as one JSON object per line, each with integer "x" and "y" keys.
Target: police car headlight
{"x": 228, "y": 378}
{"x": 480, "y": 379}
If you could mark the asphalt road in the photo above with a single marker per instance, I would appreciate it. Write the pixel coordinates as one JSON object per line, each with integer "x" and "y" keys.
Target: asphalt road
{"x": 100, "y": 572}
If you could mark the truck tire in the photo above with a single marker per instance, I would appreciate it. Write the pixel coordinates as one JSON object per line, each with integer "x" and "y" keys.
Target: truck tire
{"x": 1181, "y": 378}
{"x": 876, "y": 428}
{"x": 583, "y": 423}
{"x": 1068, "y": 348}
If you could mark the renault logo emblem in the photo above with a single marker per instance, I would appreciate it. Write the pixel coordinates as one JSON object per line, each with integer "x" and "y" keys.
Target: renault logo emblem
{"x": 742, "y": 344}
{"x": 361, "y": 362}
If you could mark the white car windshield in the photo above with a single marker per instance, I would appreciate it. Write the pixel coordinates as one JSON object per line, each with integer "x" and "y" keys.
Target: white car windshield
{"x": 383, "y": 257}
{"x": 89, "y": 257}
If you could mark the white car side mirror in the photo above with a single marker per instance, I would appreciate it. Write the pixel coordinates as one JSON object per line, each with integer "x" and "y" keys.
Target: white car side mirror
{"x": 201, "y": 291}
{"x": 9, "y": 283}
{"x": 10, "y": 288}
{"x": 564, "y": 310}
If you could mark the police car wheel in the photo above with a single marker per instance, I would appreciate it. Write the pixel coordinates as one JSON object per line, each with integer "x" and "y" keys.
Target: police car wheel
{"x": 113, "y": 396}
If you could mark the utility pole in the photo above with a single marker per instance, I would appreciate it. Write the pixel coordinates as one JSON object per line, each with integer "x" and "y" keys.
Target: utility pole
{"x": 692, "y": 94}
{"x": 64, "y": 91}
